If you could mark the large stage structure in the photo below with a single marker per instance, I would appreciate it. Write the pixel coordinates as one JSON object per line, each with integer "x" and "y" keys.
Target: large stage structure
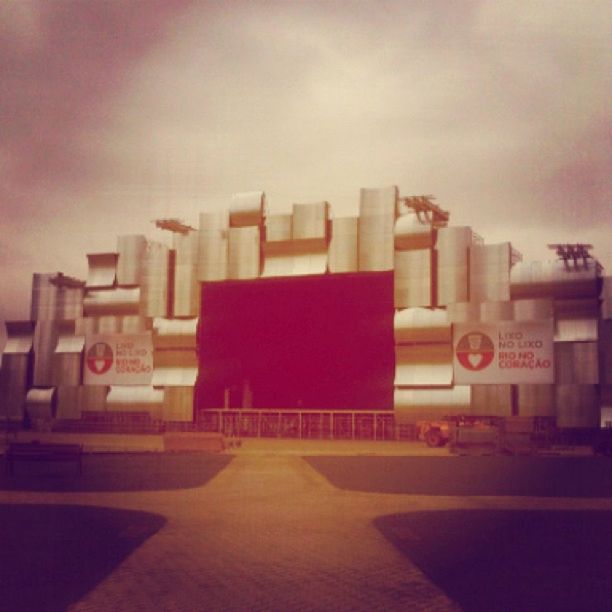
{"x": 308, "y": 325}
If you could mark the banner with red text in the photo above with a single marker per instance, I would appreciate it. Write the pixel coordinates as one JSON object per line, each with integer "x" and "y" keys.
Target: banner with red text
{"x": 505, "y": 352}
{"x": 125, "y": 359}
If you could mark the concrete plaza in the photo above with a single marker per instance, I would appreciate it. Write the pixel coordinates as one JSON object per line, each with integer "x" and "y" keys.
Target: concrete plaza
{"x": 269, "y": 532}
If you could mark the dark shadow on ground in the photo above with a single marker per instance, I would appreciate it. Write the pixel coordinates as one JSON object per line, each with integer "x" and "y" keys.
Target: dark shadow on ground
{"x": 511, "y": 560}
{"x": 520, "y": 476}
{"x": 51, "y": 556}
{"x": 116, "y": 472}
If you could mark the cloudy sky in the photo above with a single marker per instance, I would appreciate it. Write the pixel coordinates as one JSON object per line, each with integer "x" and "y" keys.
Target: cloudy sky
{"x": 113, "y": 113}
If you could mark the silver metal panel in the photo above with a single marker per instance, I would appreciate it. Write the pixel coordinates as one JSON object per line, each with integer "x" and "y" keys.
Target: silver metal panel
{"x": 413, "y": 231}
{"x": 186, "y": 288}
{"x": 576, "y": 320}
{"x": 294, "y": 258}
{"x": 343, "y": 245}
{"x": 412, "y": 278}
{"x": 605, "y": 349}
{"x": 576, "y": 363}
{"x": 278, "y": 228}
{"x": 67, "y": 368}
{"x": 68, "y": 355}
{"x": 175, "y": 358}
{"x": 108, "y": 324}
{"x": 115, "y": 302}
{"x": 533, "y": 310}
{"x": 377, "y": 210}
{"x": 412, "y": 405}
{"x": 45, "y": 341}
{"x": 244, "y": 253}
{"x": 490, "y": 272}
{"x": 178, "y": 404}
{"x": 174, "y": 333}
{"x": 310, "y": 221}
{"x": 13, "y": 385}
{"x": 135, "y": 398}
{"x": 213, "y": 246}
{"x": 134, "y": 324}
{"x": 131, "y": 252}
{"x": 492, "y": 400}
{"x": 421, "y": 325}
{"x": 423, "y": 365}
{"x": 577, "y": 406}
{"x": 536, "y": 400}
{"x": 554, "y": 279}
{"x": 155, "y": 281}
{"x": 93, "y": 397}
{"x": 496, "y": 311}
{"x": 50, "y": 301}
{"x": 463, "y": 312}
{"x": 174, "y": 377}
{"x": 452, "y": 248}
{"x": 452, "y": 285}
{"x": 247, "y": 209}
{"x": 40, "y": 406}
{"x": 452, "y": 245}
{"x": 20, "y": 337}
{"x": 45, "y": 297}
{"x": 69, "y": 402}
{"x": 102, "y": 270}
{"x": 606, "y": 298}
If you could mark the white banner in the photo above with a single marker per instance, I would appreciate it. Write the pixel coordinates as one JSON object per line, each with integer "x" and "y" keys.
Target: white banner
{"x": 506, "y": 352}
{"x": 125, "y": 359}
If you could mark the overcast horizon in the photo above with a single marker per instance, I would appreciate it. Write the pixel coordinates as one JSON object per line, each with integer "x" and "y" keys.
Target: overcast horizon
{"x": 115, "y": 113}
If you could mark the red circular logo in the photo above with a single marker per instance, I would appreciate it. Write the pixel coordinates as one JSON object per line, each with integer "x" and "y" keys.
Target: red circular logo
{"x": 99, "y": 358}
{"x": 475, "y": 351}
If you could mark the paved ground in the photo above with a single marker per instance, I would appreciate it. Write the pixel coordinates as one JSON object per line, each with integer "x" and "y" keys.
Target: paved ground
{"x": 269, "y": 532}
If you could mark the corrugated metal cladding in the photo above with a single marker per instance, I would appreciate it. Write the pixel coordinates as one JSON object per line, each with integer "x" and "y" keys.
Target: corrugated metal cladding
{"x": 343, "y": 255}
{"x": 174, "y": 333}
{"x": 496, "y": 311}
{"x": 113, "y": 302}
{"x": 111, "y": 324}
{"x": 490, "y": 272}
{"x": 605, "y": 344}
{"x": 50, "y": 301}
{"x": 131, "y": 255}
{"x": 155, "y": 281}
{"x": 247, "y": 209}
{"x": 68, "y": 355}
{"x": 576, "y": 363}
{"x": 424, "y": 365}
{"x": 464, "y": 312}
{"x": 412, "y": 272}
{"x": 41, "y": 405}
{"x": 213, "y": 246}
{"x": 16, "y": 369}
{"x": 554, "y": 279}
{"x": 412, "y": 405}
{"x": 421, "y": 325}
{"x": 102, "y": 273}
{"x": 452, "y": 246}
{"x": 536, "y": 400}
{"x": 244, "y": 252}
{"x": 136, "y": 398}
{"x": 606, "y": 298}
{"x": 45, "y": 341}
{"x": 577, "y": 406}
{"x": 533, "y": 309}
{"x": 493, "y": 400}
{"x": 178, "y": 404}
{"x": 576, "y": 320}
{"x": 413, "y": 231}
{"x": 377, "y": 211}
{"x": 186, "y": 292}
{"x": 72, "y": 400}
{"x": 296, "y": 245}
